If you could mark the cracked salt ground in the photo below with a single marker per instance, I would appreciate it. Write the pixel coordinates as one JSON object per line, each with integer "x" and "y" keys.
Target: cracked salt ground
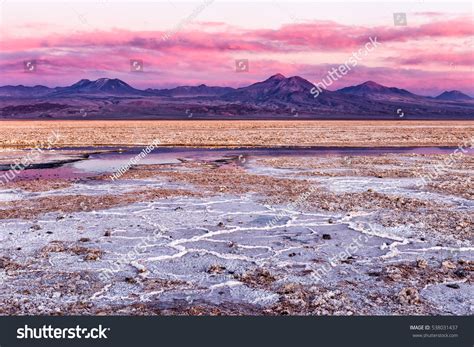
{"x": 400, "y": 245}
{"x": 162, "y": 247}
{"x": 184, "y": 253}
{"x": 231, "y": 253}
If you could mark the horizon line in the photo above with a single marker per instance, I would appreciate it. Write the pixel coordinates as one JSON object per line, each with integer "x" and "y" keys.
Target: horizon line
{"x": 226, "y": 86}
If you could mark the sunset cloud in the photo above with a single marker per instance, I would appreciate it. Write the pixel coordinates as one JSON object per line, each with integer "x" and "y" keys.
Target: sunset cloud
{"x": 205, "y": 52}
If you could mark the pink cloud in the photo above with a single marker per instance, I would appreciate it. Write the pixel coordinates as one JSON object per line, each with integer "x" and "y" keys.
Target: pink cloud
{"x": 465, "y": 58}
{"x": 297, "y": 37}
{"x": 207, "y": 54}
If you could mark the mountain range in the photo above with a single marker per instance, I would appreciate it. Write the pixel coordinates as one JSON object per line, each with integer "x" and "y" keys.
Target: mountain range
{"x": 277, "y": 97}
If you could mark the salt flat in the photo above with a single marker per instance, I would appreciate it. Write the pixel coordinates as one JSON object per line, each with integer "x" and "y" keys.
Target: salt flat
{"x": 221, "y": 133}
{"x": 219, "y": 233}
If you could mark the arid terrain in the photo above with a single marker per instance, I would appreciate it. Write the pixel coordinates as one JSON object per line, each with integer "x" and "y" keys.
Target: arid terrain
{"x": 163, "y": 160}
{"x": 277, "y": 97}
{"x": 370, "y": 226}
{"x": 85, "y": 133}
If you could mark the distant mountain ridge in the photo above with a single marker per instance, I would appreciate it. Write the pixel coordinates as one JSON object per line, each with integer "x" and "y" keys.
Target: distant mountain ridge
{"x": 24, "y": 91}
{"x": 191, "y": 91}
{"x": 453, "y": 95}
{"x": 275, "y": 86}
{"x": 105, "y": 86}
{"x": 277, "y": 96}
{"x": 374, "y": 90}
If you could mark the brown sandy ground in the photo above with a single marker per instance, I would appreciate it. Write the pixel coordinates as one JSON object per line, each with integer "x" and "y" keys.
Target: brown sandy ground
{"x": 40, "y": 185}
{"x": 238, "y": 133}
{"x": 458, "y": 186}
{"x": 28, "y": 209}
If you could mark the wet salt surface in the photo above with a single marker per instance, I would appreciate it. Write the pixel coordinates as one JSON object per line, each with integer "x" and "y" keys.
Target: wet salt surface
{"x": 107, "y": 162}
{"x": 111, "y": 159}
{"x": 180, "y": 239}
{"x": 66, "y": 171}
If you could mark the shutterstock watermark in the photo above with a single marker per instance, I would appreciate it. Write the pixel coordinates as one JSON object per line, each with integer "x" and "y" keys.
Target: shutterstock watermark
{"x": 431, "y": 173}
{"x": 348, "y": 251}
{"x": 21, "y": 164}
{"x": 133, "y": 254}
{"x": 298, "y": 202}
{"x": 134, "y": 161}
{"x": 48, "y": 332}
{"x": 337, "y": 73}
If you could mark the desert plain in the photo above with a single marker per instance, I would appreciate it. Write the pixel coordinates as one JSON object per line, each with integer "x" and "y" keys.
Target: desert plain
{"x": 228, "y": 133}
{"x": 237, "y": 217}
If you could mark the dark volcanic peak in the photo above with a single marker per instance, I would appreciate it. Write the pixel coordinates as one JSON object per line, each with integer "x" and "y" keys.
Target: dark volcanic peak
{"x": 371, "y": 88}
{"x": 278, "y": 76}
{"x": 277, "y": 87}
{"x": 107, "y": 85}
{"x": 269, "y": 82}
{"x": 296, "y": 84}
{"x": 81, "y": 83}
{"x": 453, "y": 95}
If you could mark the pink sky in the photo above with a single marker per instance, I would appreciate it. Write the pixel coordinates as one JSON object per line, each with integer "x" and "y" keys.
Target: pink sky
{"x": 433, "y": 53}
